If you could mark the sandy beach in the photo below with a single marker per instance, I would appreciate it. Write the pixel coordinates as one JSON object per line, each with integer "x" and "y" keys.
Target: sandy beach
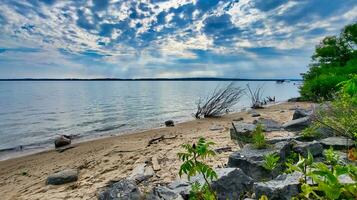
{"x": 107, "y": 159}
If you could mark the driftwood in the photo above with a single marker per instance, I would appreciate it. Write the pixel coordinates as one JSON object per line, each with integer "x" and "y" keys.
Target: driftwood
{"x": 240, "y": 144}
{"x": 159, "y": 139}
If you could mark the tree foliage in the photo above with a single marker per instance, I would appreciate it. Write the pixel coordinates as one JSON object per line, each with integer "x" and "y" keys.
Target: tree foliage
{"x": 334, "y": 61}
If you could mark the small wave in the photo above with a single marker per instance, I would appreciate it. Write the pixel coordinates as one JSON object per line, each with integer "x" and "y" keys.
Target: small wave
{"x": 105, "y": 120}
{"x": 109, "y": 128}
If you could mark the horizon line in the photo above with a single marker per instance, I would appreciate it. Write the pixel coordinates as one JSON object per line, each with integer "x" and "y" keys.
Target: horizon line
{"x": 153, "y": 79}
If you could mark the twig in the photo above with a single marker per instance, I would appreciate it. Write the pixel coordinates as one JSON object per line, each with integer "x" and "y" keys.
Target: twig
{"x": 159, "y": 139}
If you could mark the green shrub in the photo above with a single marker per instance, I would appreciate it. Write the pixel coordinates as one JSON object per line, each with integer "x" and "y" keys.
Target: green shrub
{"x": 310, "y": 132}
{"x": 193, "y": 163}
{"x": 271, "y": 161}
{"x": 258, "y": 137}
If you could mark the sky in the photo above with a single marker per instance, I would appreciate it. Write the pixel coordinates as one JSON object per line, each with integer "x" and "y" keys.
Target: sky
{"x": 165, "y": 38}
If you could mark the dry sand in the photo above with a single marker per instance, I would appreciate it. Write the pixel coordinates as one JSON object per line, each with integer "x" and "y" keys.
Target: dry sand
{"x": 108, "y": 159}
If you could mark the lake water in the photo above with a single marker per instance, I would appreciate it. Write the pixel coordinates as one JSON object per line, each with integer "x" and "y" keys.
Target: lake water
{"x": 34, "y": 113}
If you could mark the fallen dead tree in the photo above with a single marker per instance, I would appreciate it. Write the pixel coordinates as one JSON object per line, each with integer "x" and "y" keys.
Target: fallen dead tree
{"x": 219, "y": 102}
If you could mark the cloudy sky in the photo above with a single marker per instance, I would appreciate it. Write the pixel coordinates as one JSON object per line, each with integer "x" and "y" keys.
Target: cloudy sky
{"x": 165, "y": 38}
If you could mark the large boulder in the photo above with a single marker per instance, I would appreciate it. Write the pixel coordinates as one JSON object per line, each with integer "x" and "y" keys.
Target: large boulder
{"x": 62, "y": 177}
{"x": 300, "y": 113}
{"x": 122, "y": 190}
{"x": 268, "y": 124}
{"x": 163, "y": 193}
{"x": 63, "y": 140}
{"x": 231, "y": 184}
{"x": 283, "y": 187}
{"x": 337, "y": 143}
{"x": 297, "y": 124}
{"x": 251, "y": 160}
{"x": 303, "y": 148}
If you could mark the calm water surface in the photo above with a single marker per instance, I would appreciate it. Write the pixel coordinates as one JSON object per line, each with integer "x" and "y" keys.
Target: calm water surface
{"x": 32, "y": 114}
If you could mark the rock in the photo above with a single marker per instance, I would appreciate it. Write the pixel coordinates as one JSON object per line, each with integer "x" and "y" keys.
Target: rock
{"x": 268, "y": 124}
{"x": 324, "y": 132}
{"x": 302, "y": 148}
{"x": 141, "y": 173}
{"x": 300, "y": 113}
{"x": 295, "y": 99}
{"x": 216, "y": 128}
{"x": 169, "y": 123}
{"x": 231, "y": 183}
{"x": 297, "y": 124}
{"x": 238, "y": 119}
{"x": 181, "y": 187}
{"x": 155, "y": 163}
{"x": 121, "y": 190}
{"x": 337, "y": 143}
{"x": 283, "y": 187}
{"x": 163, "y": 193}
{"x": 255, "y": 114}
{"x": 281, "y": 139}
{"x": 63, "y": 140}
{"x": 251, "y": 160}
{"x": 62, "y": 177}
{"x": 242, "y": 131}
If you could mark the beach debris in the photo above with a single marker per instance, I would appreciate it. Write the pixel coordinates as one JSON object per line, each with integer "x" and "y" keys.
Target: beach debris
{"x": 159, "y": 139}
{"x": 223, "y": 149}
{"x": 141, "y": 173}
{"x": 123, "y": 189}
{"x": 155, "y": 163}
{"x": 255, "y": 115}
{"x": 65, "y": 148}
{"x": 163, "y": 193}
{"x": 297, "y": 124}
{"x": 62, "y": 177}
{"x": 169, "y": 123}
{"x": 283, "y": 187}
{"x": 63, "y": 140}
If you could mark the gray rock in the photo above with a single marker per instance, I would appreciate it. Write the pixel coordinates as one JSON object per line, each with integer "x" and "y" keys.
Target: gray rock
{"x": 300, "y": 113}
{"x": 302, "y": 148}
{"x": 268, "y": 124}
{"x": 337, "y": 143}
{"x": 255, "y": 114}
{"x": 297, "y": 124}
{"x": 242, "y": 132}
{"x": 181, "y": 187}
{"x": 63, "y": 140}
{"x": 283, "y": 187}
{"x": 251, "y": 160}
{"x": 121, "y": 190}
{"x": 163, "y": 193}
{"x": 281, "y": 139}
{"x": 62, "y": 177}
{"x": 169, "y": 123}
{"x": 216, "y": 128}
{"x": 231, "y": 183}
{"x": 141, "y": 173}
{"x": 324, "y": 132}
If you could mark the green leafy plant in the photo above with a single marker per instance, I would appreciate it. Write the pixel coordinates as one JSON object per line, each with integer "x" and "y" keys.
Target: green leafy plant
{"x": 271, "y": 161}
{"x": 325, "y": 176}
{"x": 258, "y": 137}
{"x": 193, "y": 163}
{"x": 310, "y": 132}
{"x": 302, "y": 165}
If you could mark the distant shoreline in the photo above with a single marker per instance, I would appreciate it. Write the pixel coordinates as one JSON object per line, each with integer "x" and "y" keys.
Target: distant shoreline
{"x": 151, "y": 79}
